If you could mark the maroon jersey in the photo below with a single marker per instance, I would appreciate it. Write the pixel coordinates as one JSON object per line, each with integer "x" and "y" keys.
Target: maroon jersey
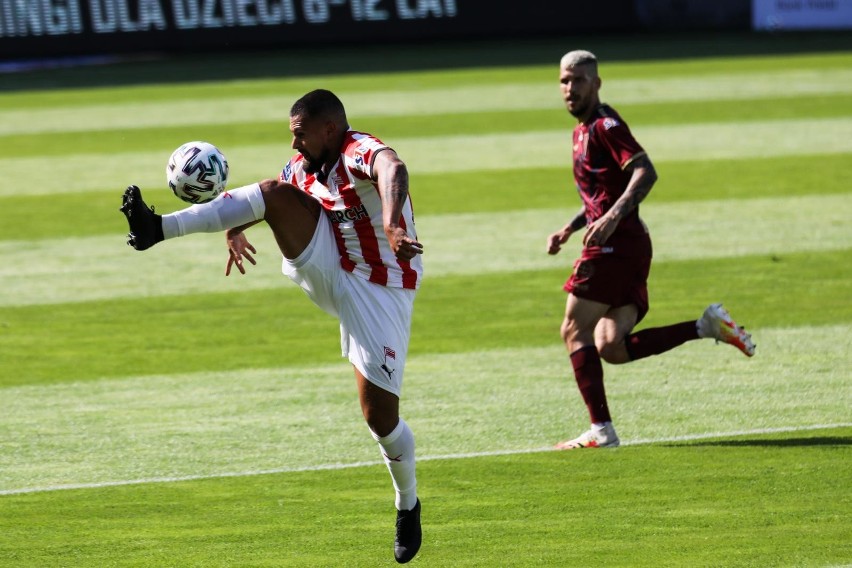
{"x": 603, "y": 147}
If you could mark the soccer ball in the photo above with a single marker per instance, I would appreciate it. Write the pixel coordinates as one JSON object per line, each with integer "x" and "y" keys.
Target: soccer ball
{"x": 197, "y": 172}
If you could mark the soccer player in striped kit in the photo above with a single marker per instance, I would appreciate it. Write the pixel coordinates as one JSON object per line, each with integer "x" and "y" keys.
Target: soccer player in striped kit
{"x": 607, "y": 291}
{"x": 342, "y": 216}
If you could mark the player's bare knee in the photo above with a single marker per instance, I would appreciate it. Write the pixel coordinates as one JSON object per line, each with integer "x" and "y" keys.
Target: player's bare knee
{"x": 382, "y": 423}
{"x": 276, "y": 192}
{"x": 613, "y": 352}
{"x": 283, "y": 200}
{"x": 571, "y": 331}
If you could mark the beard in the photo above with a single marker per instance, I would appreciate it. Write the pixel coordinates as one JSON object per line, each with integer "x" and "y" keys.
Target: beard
{"x": 580, "y": 108}
{"x": 314, "y": 164}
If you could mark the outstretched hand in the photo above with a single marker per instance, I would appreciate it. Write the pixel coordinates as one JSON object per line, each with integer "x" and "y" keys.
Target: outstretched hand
{"x": 239, "y": 248}
{"x": 403, "y": 246}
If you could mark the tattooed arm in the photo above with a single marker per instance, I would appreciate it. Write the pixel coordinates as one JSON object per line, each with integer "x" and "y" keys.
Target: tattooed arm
{"x": 391, "y": 176}
{"x": 642, "y": 179}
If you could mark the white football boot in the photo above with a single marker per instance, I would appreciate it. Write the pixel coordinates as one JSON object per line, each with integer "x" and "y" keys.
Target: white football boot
{"x": 716, "y": 323}
{"x": 593, "y": 438}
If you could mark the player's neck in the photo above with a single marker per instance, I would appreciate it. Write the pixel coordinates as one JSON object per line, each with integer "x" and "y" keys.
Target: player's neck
{"x": 593, "y": 109}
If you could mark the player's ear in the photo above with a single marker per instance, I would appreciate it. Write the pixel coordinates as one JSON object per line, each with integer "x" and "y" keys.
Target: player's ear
{"x": 330, "y": 128}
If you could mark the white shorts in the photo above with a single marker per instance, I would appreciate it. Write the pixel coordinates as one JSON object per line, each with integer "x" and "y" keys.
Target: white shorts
{"x": 375, "y": 321}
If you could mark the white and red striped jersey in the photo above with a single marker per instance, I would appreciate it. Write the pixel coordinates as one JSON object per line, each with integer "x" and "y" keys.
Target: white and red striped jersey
{"x": 352, "y": 203}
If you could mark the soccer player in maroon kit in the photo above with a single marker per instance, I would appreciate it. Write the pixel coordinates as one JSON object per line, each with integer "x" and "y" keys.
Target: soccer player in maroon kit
{"x": 607, "y": 291}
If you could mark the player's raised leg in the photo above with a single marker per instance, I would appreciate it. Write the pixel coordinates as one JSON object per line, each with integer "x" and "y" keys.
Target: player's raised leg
{"x": 291, "y": 215}
{"x": 716, "y": 323}
{"x": 617, "y": 346}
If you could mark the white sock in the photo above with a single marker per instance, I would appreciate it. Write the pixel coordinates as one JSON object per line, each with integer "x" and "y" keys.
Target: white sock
{"x": 231, "y": 209}
{"x": 398, "y": 451}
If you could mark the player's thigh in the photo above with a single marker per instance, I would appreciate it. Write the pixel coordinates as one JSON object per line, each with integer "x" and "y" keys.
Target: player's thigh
{"x": 291, "y": 214}
{"x": 615, "y": 325}
{"x": 375, "y": 324}
{"x": 581, "y": 318}
{"x": 317, "y": 269}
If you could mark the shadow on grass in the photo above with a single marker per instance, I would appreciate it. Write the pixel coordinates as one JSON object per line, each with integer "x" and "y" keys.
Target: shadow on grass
{"x": 775, "y": 443}
{"x": 334, "y": 60}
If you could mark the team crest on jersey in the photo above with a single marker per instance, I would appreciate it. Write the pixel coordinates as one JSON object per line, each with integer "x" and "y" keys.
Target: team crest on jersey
{"x": 288, "y": 171}
{"x": 609, "y": 122}
{"x": 334, "y": 181}
{"x": 359, "y": 160}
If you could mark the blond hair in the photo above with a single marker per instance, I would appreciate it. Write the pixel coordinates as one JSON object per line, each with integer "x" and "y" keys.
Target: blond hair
{"x": 579, "y": 57}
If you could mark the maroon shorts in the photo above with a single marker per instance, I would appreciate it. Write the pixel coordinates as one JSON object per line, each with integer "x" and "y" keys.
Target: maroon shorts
{"x": 608, "y": 278}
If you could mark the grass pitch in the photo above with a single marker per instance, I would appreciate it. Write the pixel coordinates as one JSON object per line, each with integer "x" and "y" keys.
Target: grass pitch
{"x": 156, "y": 413}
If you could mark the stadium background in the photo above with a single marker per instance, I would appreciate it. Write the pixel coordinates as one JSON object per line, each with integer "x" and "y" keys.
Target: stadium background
{"x": 53, "y": 28}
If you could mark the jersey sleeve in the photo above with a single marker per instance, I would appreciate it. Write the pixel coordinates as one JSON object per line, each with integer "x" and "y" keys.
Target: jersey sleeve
{"x": 361, "y": 151}
{"x": 618, "y": 140}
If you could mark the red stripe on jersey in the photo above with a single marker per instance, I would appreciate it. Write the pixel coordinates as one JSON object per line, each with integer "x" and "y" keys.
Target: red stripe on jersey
{"x": 364, "y": 230}
{"x": 409, "y": 275}
{"x": 345, "y": 262}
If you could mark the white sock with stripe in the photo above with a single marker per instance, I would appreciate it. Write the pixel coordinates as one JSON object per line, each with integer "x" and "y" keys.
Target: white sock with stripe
{"x": 231, "y": 209}
{"x": 398, "y": 451}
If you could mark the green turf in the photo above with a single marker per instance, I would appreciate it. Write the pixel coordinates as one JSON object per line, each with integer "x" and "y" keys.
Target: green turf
{"x": 116, "y": 367}
{"x": 453, "y": 313}
{"x": 213, "y": 423}
{"x": 718, "y": 502}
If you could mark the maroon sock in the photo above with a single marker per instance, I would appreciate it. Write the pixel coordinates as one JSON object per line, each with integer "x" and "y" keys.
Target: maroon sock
{"x": 589, "y": 374}
{"x": 659, "y": 339}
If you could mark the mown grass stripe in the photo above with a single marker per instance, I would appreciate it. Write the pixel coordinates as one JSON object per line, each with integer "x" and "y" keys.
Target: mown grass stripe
{"x": 464, "y": 99}
{"x": 157, "y": 138}
{"x": 457, "y": 456}
{"x": 550, "y": 148}
{"x": 96, "y": 268}
{"x": 279, "y": 327}
{"x": 47, "y": 216}
{"x": 213, "y": 423}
